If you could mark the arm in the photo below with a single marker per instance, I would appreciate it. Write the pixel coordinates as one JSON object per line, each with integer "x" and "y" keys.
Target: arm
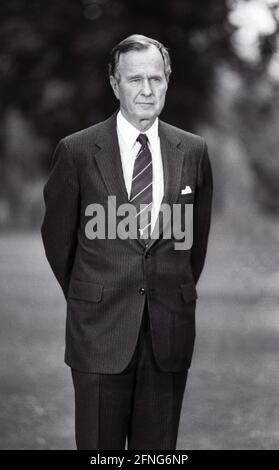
{"x": 60, "y": 224}
{"x": 201, "y": 214}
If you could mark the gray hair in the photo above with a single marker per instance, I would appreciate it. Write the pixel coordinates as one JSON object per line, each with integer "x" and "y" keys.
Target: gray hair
{"x": 138, "y": 42}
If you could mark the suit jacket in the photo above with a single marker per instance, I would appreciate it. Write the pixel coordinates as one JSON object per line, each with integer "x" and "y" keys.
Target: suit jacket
{"x": 103, "y": 279}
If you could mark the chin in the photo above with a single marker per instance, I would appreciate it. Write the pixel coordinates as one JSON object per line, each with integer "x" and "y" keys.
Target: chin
{"x": 147, "y": 115}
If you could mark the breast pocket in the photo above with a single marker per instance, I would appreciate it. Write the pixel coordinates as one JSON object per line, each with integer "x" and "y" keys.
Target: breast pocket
{"x": 186, "y": 198}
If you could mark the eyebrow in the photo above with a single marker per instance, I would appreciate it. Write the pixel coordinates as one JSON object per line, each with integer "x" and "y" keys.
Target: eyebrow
{"x": 141, "y": 76}
{"x": 135, "y": 76}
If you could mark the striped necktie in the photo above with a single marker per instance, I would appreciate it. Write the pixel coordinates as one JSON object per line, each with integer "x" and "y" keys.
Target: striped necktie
{"x": 141, "y": 190}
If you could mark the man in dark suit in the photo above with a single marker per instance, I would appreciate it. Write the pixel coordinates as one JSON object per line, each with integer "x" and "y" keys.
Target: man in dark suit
{"x": 130, "y": 325}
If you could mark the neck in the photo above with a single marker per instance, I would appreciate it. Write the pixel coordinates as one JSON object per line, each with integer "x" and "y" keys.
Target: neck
{"x": 145, "y": 124}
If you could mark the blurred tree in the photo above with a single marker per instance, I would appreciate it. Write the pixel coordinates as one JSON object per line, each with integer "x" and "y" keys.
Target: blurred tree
{"x": 256, "y": 106}
{"x": 258, "y": 109}
{"x": 53, "y": 69}
{"x": 54, "y": 55}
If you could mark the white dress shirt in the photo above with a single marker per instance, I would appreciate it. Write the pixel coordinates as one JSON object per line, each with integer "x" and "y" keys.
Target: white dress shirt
{"x": 129, "y": 147}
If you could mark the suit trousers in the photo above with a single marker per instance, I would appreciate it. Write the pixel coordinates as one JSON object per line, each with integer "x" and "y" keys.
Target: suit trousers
{"x": 138, "y": 408}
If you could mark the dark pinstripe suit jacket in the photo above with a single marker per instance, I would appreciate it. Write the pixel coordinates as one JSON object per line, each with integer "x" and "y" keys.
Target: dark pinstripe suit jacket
{"x": 101, "y": 279}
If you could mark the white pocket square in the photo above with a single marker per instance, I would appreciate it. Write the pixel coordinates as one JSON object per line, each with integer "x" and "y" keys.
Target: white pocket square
{"x": 186, "y": 190}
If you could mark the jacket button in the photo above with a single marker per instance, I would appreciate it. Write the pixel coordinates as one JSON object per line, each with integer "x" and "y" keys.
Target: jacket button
{"x": 142, "y": 291}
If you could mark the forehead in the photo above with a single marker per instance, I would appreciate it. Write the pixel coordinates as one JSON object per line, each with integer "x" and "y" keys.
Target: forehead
{"x": 148, "y": 60}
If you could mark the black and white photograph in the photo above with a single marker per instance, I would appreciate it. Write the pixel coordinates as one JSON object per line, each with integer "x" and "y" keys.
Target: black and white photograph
{"x": 139, "y": 225}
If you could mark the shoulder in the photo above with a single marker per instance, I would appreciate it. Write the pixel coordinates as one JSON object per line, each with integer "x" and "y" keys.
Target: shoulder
{"x": 187, "y": 139}
{"x": 83, "y": 136}
{"x": 80, "y": 145}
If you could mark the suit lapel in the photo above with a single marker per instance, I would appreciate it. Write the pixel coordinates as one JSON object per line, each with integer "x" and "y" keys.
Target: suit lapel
{"x": 172, "y": 159}
{"x": 109, "y": 160}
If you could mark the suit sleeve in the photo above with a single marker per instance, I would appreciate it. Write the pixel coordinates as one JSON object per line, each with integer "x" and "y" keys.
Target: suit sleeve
{"x": 61, "y": 219}
{"x": 201, "y": 214}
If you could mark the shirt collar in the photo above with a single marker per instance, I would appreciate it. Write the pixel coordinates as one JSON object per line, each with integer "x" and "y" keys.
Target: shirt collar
{"x": 131, "y": 133}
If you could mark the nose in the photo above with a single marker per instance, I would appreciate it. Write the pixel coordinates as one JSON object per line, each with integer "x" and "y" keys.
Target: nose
{"x": 146, "y": 89}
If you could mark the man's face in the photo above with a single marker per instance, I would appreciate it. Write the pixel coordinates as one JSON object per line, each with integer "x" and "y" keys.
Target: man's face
{"x": 140, "y": 86}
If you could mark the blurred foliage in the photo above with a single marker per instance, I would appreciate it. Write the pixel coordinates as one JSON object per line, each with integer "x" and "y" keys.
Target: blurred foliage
{"x": 53, "y": 72}
{"x": 259, "y": 119}
{"x": 54, "y": 56}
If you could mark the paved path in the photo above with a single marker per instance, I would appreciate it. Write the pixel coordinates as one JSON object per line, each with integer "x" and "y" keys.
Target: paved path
{"x": 232, "y": 392}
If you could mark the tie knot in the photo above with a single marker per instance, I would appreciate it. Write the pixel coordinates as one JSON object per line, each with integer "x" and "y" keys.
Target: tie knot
{"x": 142, "y": 139}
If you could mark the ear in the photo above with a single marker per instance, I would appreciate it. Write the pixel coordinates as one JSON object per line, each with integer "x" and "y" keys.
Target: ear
{"x": 114, "y": 86}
